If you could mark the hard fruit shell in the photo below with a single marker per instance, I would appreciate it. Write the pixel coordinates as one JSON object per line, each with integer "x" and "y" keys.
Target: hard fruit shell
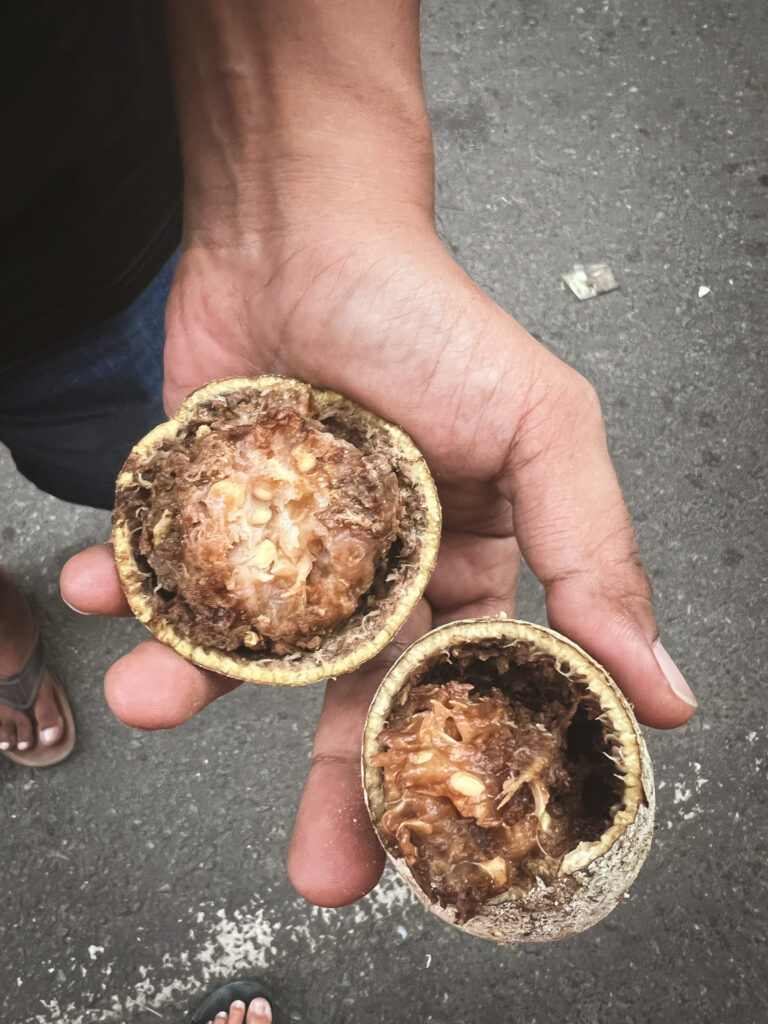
{"x": 346, "y": 648}
{"x": 594, "y": 876}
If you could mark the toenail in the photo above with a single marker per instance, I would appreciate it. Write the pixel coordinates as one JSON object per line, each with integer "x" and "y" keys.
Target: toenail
{"x": 23, "y": 745}
{"x": 261, "y": 1006}
{"x": 5, "y": 745}
{"x": 49, "y": 735}
{"x": 238, "y": 1005}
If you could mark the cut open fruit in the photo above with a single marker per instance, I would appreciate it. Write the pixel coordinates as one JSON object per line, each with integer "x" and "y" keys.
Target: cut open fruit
{"x": 508, "y": 780}
{"x": 273, "y": 532}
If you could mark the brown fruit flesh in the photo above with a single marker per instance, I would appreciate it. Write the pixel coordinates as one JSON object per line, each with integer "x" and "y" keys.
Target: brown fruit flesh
{"x": 262, "y": 528}
{"x": 487, "y": 789}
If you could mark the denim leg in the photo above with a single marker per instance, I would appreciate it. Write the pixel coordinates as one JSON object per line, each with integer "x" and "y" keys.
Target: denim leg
{"x": 71, "y": 415}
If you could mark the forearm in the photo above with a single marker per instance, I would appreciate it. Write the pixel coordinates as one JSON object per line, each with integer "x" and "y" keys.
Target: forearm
{"x": 287, "y": 106}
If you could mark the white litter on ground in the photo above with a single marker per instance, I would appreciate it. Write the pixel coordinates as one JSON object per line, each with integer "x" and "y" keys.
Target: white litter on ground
{"x": 587, "y": 281}
{"x": 221, "y": 944}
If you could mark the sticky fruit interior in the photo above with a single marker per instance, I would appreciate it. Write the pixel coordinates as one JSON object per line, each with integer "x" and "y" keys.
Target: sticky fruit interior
{"x": 493, "y": 769}
{"x": 263, "y": 528}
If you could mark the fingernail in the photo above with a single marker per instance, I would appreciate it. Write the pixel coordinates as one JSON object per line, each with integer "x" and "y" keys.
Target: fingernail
{"x": 673, "y": 675}
{"x": 72, "y": 607}
{"x": 49, "y": 735}
{"x": 261, "y": 1006}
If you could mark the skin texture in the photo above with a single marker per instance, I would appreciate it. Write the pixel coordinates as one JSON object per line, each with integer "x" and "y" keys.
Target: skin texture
{"x": 311, "y": 251}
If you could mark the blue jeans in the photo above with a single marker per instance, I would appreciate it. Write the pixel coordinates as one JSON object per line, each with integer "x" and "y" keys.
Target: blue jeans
{"x": 71, "y": 415}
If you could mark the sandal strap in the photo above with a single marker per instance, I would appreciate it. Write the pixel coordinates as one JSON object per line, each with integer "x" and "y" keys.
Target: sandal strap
{"x": 20, "y": 691}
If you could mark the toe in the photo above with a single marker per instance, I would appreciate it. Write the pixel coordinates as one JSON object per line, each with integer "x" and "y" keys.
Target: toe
{"x": 25, "y": 733}
{"x": 50, "y": 724}
{"x": 7, "y": 734}
{"x": 259, "y": 1012}
{"x": 236, "y": 1012}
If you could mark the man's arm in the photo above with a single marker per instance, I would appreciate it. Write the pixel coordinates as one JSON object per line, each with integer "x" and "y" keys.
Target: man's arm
{"x": 310, "y": 250}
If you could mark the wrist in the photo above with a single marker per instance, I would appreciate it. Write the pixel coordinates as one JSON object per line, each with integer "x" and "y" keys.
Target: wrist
{"x": 293, "y": 180}
{"x": 297, "y": 111}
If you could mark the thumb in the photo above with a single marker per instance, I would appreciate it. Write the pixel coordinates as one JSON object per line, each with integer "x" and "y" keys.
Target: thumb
{"x": 576, "y": 535}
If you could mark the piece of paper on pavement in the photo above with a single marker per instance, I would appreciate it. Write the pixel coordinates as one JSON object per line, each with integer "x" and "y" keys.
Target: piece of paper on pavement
{"x": 587, "y": 281}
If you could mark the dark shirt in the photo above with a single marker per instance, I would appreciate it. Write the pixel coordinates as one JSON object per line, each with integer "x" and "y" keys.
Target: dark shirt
{"x": 90, "y": 178}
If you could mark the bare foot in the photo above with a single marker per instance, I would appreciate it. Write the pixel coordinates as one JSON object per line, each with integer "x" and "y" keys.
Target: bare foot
{"x": 259, "y": 1012}
{"x": 43, "y": 723}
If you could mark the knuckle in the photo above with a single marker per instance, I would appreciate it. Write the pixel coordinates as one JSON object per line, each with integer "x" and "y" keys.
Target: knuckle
{"x": 345, "y": 760}
{"x": 638, "y": 593}
{"x": 585, "y": 398}
{"x": 569, "y": 407}
{"x": 628, "y": 585}
{"x": 626, "y": 564}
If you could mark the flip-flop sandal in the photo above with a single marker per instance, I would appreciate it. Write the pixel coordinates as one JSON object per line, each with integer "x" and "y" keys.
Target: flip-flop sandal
{"x": 19, "y": 692}
{"x": 221, "y": 1000}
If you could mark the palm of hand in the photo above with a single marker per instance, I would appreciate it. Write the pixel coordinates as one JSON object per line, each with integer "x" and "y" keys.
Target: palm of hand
{"x": 407, "y": 334}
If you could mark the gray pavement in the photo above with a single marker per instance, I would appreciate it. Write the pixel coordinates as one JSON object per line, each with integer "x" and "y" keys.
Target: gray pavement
{"x": 148, "y": 867}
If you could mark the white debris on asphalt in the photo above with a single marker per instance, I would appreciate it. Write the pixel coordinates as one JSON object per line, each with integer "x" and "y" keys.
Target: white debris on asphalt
{"x": 222, "y": 943}
{"x": 703, "y": 290}
{"x": 588, "y": 281}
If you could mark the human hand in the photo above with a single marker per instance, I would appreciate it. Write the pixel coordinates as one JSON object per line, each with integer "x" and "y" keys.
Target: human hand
{"x": 515, "y": 441}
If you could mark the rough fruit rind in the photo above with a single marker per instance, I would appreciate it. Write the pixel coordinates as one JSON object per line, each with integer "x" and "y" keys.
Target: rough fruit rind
{"x": 351, "y": 645}
{"x": 594, "y": 876}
